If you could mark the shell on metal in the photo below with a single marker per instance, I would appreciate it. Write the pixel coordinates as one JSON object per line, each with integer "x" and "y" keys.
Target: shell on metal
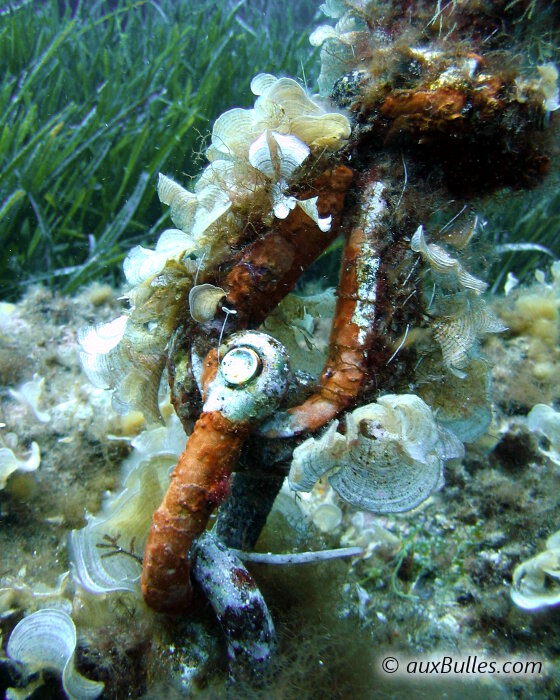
{"x": 240, "y": 365}
{"x": 259, "y": 395}
{"x": 309, "y": 206}
{"x": 390, "y": 460}
{"x": 47, "y": 640}
{"x": 204, "y": 300}
{"x": 444, "y": 263}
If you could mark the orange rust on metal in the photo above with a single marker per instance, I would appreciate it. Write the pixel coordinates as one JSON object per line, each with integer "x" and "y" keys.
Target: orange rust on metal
{"x": 209, "y": 368}
{"x": 199, "y": 483}
{"x": 271, "y": 266}
{"x": 487, "y": 96}
{"x": 344, "y": 370}
{"x": 445, "y": 103}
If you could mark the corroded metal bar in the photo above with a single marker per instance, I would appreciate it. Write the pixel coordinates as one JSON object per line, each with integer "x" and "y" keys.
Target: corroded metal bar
{"x": 238, "y": 604}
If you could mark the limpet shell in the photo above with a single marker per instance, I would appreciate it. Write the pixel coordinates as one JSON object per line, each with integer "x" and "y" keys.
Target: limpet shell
{"x": 204, "y": 300}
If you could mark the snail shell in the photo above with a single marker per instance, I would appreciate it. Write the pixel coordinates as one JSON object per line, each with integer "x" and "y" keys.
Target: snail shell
{"x": 252, "y": 377}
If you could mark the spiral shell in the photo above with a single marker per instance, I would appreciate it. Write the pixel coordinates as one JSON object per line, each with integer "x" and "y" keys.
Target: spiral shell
{"x": 251, "y": 379}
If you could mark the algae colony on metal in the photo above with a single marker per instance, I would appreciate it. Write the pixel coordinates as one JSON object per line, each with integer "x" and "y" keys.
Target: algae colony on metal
{"x": 279, "y": 348}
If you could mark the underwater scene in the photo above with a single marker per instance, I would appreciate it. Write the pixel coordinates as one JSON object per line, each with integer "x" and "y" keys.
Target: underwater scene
{"x": 279, "y": 349}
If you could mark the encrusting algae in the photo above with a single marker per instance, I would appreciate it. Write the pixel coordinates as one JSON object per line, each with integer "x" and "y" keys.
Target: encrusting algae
{"x": 407, "y": 124}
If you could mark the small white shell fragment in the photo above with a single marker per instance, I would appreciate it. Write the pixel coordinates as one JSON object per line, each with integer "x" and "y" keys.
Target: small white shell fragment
{"x": 544, "y": 418}
{"x": 440, "y": 260}
{"x": 29, "y": 394}
{"x": 510, "y": 284}
{"x": 204, "y": 300}
{"x": 390, "y": 460}
{"x": 327, "y": 517}
{"x": 536, "y": 581}
{"x": 47, "y": 640}
{"x": 9, "y": 463}
{"x": 309, "y": 206}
